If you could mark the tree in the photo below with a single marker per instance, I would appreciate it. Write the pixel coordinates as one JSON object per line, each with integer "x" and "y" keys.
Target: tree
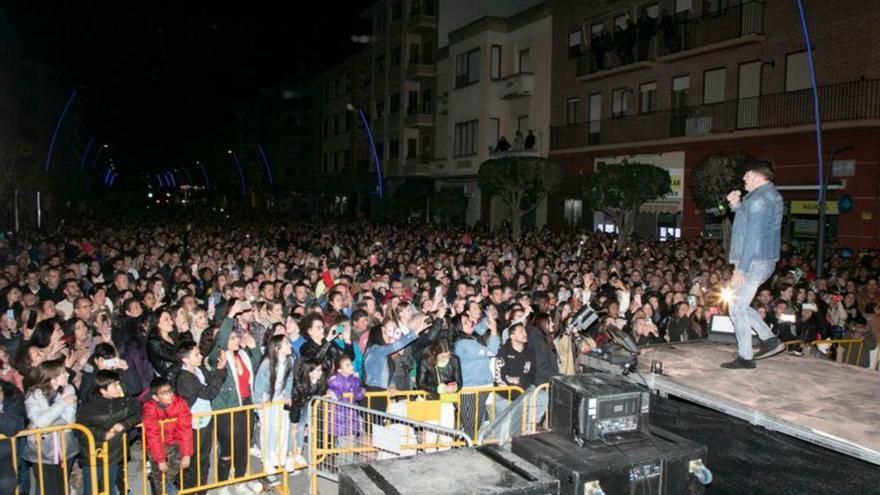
{"x": 713, "y": 178}
{"x": 522, "y": 182}
{"x": 621, "y": 190}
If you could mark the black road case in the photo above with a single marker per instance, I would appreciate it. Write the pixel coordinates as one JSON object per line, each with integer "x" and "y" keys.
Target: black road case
{"x": 658, "y": 463}
{"x": 474, "y": 470}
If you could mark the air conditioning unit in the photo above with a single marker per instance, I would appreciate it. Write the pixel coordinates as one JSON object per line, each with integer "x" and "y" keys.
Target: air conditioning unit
{"x": 698, "y": 126}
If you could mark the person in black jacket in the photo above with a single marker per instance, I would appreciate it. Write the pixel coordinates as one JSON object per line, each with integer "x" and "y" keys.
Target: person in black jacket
{"x": 162, "y": 343}
{"x": 12, "y": 421}
{"x": 439, "y": 371}
{"x": 515, "y": 363}
{"x": 540, "y": 336}
{"x": 104, "y": 357}
{"x": 198, "y": 387}
{"x": 108, "y": 414}
{"x": 321, "y": 348}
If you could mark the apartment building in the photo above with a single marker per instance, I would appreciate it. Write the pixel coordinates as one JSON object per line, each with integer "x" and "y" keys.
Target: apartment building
{"x": 671, "y": 82}
{"x": 401, "y": 90}
{"x": 493, "y": 84}
{"x": 345, "y": 91}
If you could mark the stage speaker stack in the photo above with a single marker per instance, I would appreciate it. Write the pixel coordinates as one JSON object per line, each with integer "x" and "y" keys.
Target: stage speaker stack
{"x": 474, "y": 470}
{"x": 601, "y": 442}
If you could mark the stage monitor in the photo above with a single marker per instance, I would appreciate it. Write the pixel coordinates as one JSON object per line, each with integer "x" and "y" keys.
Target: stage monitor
{"x": 721, "y": 330}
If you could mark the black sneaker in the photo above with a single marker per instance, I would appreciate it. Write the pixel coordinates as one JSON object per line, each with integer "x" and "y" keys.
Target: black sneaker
{"x": 770, "y": 347}
{"x": 739, "y": 364}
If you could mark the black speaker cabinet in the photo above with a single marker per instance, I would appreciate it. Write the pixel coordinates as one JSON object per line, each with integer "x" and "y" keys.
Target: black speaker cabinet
{"x": 474, "y": 470}
{"x": 597, "y": 405}
{"x": 658, "y": 463}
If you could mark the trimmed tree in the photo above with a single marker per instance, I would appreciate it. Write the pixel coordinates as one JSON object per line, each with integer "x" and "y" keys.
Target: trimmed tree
{"x": 620, "y": 190}
{"x": 521, "y": 182}
{"x": 712, "y": 179}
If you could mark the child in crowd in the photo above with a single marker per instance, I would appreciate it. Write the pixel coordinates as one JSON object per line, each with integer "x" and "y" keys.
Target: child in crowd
{"x": 308, "y": 381}
{"x": 108, "y": 413}
{"x": 169, "y": 444}
{"x": 198, "y": 386}
{"x": 345, "y": 386}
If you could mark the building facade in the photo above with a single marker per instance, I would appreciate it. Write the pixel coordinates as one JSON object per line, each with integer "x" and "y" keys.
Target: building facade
{"x": 675, "y": 81}
{"x": 401, "y": 90}
{"x": 493, "y": 83}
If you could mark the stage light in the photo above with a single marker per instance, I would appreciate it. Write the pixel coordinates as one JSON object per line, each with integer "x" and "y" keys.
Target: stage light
{"x": 727, "y": 295}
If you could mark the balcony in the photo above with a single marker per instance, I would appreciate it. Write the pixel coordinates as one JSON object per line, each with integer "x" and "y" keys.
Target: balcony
{"x": 421, "y": 23}
{"x": 856, "y": 100}
{"x": 419, "y": 69}
{"x": 516, "y": 86}
{"x": 418, "y": 117}
{"x": 737, "y": 25}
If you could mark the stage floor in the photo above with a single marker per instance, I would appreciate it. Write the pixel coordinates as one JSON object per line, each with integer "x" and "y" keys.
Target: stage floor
{"x": 822, "y": 402}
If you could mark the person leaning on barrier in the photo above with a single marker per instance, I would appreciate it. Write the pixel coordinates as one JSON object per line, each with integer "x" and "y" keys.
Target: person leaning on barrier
{"x": 12, "y": 420}
{"x": 108, "y": 413}
{"x": 167, "y": 434}
{"x": 50, "y": 401}
{"x": 439, "y": 371}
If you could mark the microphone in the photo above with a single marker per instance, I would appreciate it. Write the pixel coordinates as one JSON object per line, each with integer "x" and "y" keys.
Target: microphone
{"x": 723, "y": 206}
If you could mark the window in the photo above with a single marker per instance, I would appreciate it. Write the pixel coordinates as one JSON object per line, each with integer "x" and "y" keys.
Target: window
{"x": 380, "y": 21}
{"x": 467, "y": 68}
{"x": 648, "y": 97}
{"x": 525, "y": 61}
{"x": 682, "y": 6}
{"x": 412, "y": 148}
{"x": 797, "y": 71}
{"x": 573, "y": 212}
{"x": 596, "y": 29}
{"x": 466, "y": 138}
{"x": 380, "y": 108}
{"x": 653, "y": 11}
{"x": 394, "y": 105}
{"x": 412, "y": 103}
{"x": 426, "y": 149}
{"x": 413, "y": 53}
{"x": 427, "y": 52}
{"x": 713, "y": 86}
{"x": 680, "y": 86}
{"x": 574, "y": 44}
{"x": 495, "y": 63}
{"x": 395, "y": 56}
{"x": 393, "y": 149}
{"x": 522, "y": 124}
{"x": 572, "y": 110}
{"x": 620, "y": 101}
{"x": 396, "y": 11}
{"x": 620, "y": 21}
{"x": 336, "y": 125}
{"x": 715, "y": 6}
{"x": 380, "y": 65}
{"x": 494, "y": 131}
{"x": 595, "y": 115}
{"x": 427, "y": 102}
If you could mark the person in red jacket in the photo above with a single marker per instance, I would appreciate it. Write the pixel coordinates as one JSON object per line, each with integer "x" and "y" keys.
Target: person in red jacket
{"x": 169, "y": 444}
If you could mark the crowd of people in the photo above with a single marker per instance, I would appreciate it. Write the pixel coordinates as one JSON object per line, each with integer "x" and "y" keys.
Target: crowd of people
{"x": 119, "y": 322}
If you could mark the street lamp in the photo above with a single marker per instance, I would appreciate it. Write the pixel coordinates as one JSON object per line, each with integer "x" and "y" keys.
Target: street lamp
{"x": 352, "y": 108}
{"x": 823, "y": 192}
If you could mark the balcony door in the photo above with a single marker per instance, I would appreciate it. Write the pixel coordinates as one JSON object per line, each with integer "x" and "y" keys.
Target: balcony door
{"x": 748, "y": 95}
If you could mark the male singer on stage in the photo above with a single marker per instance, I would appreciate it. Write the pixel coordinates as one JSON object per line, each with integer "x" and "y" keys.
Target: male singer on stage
{"x": 754, "y": 250}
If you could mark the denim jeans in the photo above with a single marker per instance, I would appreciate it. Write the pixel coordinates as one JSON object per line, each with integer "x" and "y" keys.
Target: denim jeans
{"x": 744, "y": 317}
{"x": 87, "y": 479}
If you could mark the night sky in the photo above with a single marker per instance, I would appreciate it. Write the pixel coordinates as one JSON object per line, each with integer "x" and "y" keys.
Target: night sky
{"x": 159, "y": 76}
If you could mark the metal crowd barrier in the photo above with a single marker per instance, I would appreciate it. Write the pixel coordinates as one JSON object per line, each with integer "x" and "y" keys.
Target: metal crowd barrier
{"x": 58, "y": 435}
{"x": 848, "y": 345}
{"x": 342, "y": 433}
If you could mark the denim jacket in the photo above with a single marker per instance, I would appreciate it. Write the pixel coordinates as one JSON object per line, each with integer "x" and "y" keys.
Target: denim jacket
{"x": 376, "y": 370}
{"x": 756, "y": 228}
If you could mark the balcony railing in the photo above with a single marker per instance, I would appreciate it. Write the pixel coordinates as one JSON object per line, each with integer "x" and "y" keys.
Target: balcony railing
{"x": 854, "y": 100}
{"x": 618, "y": 50}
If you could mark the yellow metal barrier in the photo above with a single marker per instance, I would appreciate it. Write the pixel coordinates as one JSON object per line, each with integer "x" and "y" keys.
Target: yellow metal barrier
{"x": 58, "y": 433}
{"x": 531, "y": 422}
{"x": 847, "y": 344}
{"x": 248, "y": 474}
{"x": 343, "y": 433}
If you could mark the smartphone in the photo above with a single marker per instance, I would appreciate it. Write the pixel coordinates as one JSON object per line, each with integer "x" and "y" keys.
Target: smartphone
{"x": 787, "y": 318}
{"x": 10, "y": 314}
{"x": 692, "y": 300}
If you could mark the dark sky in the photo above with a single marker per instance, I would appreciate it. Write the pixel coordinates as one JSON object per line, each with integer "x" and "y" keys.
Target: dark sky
{"x": 160, "y": 75}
